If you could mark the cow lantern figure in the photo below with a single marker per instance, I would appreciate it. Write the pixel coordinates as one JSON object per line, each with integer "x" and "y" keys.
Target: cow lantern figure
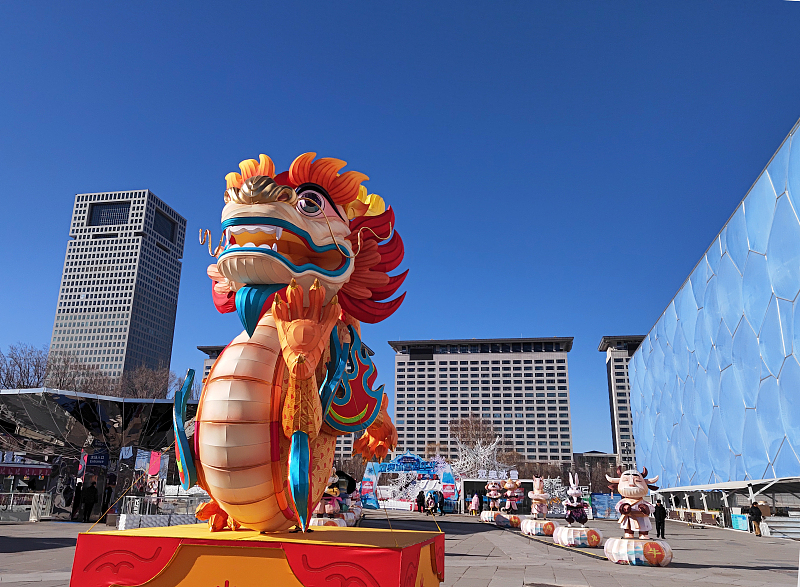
{"x": 634, "y": 512}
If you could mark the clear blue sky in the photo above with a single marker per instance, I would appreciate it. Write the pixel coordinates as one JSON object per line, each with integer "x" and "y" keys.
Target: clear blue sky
{"x": 557, "y": 168}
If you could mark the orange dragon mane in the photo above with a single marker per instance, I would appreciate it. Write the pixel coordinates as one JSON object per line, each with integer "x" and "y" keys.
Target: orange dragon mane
{"x": 362, "y": 297}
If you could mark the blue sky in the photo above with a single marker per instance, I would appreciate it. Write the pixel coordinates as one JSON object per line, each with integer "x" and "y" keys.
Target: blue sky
{"x": 557, "y": 168}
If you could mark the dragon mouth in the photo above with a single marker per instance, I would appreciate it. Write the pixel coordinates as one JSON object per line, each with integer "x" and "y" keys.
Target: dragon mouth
{"x": 285, "y": 242}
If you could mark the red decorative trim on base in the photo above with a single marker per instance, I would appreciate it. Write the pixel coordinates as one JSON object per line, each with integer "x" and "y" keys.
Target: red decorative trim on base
{"x": 119, "y": 560}
{"x": 129, "y": 560}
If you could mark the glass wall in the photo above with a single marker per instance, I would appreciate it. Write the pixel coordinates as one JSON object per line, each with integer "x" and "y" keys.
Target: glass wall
{"x": 715, "y": 385}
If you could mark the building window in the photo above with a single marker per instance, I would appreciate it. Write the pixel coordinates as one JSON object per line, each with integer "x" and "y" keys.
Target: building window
{"x": 109, "y": 214}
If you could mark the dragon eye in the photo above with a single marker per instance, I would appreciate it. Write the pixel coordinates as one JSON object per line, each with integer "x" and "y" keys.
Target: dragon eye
{"x": 310, "y": 203}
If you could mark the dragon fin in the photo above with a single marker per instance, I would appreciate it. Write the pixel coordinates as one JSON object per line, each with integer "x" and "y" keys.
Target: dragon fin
{"x": 335, "y": 371}
{"x": 183, "y": 450}
{"x": 299, "y": 476}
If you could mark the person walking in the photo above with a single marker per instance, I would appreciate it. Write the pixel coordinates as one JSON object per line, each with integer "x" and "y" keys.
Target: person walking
{"x": 660, "y": 514}
{"x": 421, "y": 501}
{"x": 76, "y": 500}
{"x": 755, "y": 518}
{"x": 89, "y": 499}
{"x": 473, "y": 508}
{"x": 440, "y": 500}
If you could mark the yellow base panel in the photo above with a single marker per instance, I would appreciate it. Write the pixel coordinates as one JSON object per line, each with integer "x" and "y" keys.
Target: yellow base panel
{"x": 362, "y": 537}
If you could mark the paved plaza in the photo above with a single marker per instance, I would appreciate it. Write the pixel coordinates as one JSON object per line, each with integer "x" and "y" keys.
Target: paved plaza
{"x": 480, "y": 555}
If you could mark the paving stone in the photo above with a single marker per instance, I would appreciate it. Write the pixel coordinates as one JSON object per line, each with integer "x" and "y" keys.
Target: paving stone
{"x": 702, "y": 557}
{"x": 478, "y": 555}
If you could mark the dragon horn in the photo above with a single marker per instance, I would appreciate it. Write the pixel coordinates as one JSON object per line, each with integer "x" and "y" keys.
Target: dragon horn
{"x": 644, "y": 471}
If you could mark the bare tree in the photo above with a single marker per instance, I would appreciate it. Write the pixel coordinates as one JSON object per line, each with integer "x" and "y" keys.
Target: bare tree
{"x": 23, "y": 366}
{"x": 472, "y": 430}
{"x": 66, "y": 371}
{"x": 528, "y": 469}
{"x": 92, "y": 380}
{"x": 353, "y": 466}
{"x": 197, "y": 389}
{"x": 433, "y": 449}
{"x": 143, "y": 382}
{"x": 63, "y": 371}
{"x": 594, "y": 475}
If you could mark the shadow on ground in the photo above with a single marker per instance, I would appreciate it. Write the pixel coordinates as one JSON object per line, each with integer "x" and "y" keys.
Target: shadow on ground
{"x": 420, "y": 524}
{"x": 754, "y": 567}
{"x": 10, "y": 544}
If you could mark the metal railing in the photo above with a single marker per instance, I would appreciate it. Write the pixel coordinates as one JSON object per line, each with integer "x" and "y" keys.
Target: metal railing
{"x": 15, "y": 507}
{"x": 153, "y": 505}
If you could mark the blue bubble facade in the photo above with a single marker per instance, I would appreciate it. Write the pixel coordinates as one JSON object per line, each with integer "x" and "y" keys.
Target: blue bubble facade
{"x": 715, "y": 385}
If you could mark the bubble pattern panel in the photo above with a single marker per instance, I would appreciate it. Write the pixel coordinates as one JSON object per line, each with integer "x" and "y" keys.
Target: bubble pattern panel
{"x": 715, "y": 385}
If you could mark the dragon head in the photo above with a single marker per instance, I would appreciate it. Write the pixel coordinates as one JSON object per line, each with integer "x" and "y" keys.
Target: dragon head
{"x": 290, "y": 227}
{"x": 308, "y": 223}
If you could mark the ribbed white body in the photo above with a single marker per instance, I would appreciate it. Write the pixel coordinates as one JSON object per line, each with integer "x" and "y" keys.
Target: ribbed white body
{"x": 233, "y": 427}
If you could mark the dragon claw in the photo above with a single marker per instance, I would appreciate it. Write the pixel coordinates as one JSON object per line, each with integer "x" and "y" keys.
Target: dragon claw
{"x": 218, "y": 519}
{"x": 379, "y": 438}
{"x": 303, "y": 332}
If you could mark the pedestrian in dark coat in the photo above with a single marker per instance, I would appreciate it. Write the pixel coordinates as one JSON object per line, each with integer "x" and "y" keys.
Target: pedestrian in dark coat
{"x": 421, "y": 501}
{"x": 755, "y": 518}
{"x": 660, "y": 514}
{"x": 89, "y": 499}
{"x": 441, "y": 502}
{"x": 76, "y": 500}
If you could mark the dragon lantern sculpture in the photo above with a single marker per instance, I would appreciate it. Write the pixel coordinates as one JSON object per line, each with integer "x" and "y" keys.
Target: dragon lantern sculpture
{"x": 302, "y": 264}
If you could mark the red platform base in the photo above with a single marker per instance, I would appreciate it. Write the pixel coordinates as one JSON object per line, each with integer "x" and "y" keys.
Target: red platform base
{"x": 192, "y": 556}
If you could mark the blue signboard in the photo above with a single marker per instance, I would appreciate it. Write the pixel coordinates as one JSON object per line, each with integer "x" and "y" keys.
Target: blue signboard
{"x": 407, "y": 462}
{"x": 739, "y": 522}
{"x": 98, "y": 459}
{"x": 604, "y": 506}
{"x": 369, "y": 485}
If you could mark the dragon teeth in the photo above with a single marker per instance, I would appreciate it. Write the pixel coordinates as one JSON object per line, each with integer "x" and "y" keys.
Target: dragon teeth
{"x": 278, "y": 232}
{"x": 252, "y": 229}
